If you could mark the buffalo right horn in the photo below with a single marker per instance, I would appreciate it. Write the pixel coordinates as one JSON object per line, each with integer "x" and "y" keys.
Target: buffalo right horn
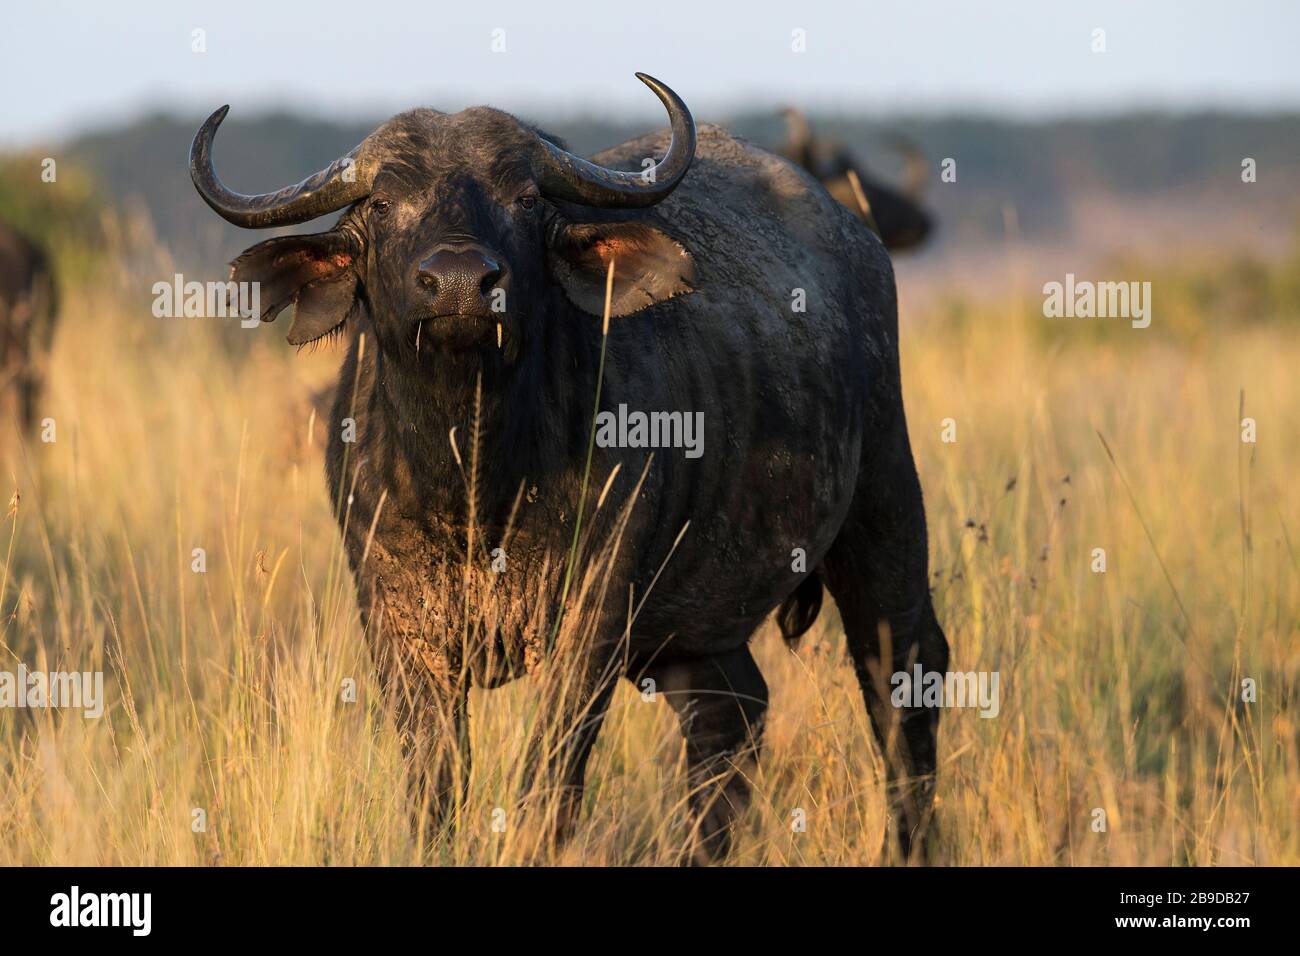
{"x": 339, "y": 184}
{"x": 566, "y": 176}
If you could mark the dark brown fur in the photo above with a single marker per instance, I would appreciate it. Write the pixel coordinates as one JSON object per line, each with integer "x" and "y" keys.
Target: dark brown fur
{"x": 27, "y": 313}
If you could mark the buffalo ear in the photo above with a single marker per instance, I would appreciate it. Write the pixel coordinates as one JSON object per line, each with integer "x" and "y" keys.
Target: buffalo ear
{"x": 313, "y": 273}
{"x": 649, "y": 266}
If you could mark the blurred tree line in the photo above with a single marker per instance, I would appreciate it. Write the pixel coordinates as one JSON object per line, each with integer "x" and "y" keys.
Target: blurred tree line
{"x": 1035, "y": 166}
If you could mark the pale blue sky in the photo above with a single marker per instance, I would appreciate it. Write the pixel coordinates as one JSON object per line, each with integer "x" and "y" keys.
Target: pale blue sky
{"x": 65, "y": 65}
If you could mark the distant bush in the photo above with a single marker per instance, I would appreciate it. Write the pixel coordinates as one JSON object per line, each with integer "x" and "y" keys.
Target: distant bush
{"x": 1195, "y": 298}
{"x": 64, "y": 216}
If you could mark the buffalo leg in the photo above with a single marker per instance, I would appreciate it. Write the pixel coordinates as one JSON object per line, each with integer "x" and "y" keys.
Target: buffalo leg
{"x": 575, "y": 697}
{"x": 877, "y": 570}
{"x": 427, "y": 696}
{"x": 720, "y": 701}
{"x": 433, "y": 726}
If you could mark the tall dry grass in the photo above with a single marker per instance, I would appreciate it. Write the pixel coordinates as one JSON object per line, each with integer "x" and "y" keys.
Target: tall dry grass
{"x": 1120, "y": 690}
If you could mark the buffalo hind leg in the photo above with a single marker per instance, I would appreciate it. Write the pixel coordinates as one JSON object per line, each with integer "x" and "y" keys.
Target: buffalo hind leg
{"x": 907, "y": 736}
{"x": 720, "y": 701}
{"x": 878, "y": 572}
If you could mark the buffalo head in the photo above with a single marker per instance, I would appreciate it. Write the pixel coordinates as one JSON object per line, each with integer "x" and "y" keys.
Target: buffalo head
{"x": 460, "y": 231}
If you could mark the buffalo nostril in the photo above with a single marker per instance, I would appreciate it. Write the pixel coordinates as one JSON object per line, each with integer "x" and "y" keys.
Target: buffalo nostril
{"x": 490, "y": 277}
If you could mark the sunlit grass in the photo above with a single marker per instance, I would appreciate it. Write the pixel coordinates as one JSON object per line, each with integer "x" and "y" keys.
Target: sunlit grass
{"x": 1121, "y": 691}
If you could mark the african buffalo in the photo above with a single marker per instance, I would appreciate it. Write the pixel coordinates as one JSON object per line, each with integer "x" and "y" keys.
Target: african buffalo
{"x": 896, "y": 215}
{"x": 27, "y": 310}
{"x": 469, "y": 271}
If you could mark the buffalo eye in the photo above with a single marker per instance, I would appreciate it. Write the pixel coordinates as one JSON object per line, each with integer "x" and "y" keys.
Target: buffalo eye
{"x": 380, "y": 206}
{"x": 528, "y": 202}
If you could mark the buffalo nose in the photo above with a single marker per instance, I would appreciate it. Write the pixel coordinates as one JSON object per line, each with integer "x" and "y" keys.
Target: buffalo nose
{"x": 460, "y": 279}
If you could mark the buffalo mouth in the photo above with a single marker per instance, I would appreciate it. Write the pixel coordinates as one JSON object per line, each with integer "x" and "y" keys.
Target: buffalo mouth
{"x": 458, "y": 330}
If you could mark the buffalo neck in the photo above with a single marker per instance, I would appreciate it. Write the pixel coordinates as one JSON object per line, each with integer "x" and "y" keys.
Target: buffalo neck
{"x": 533, "y": 410}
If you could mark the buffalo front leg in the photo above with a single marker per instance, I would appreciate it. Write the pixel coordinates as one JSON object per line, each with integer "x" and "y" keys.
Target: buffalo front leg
{"x": 720, "y": 701}
{"x": 427, "y": 698}
{"x": 575, "y": 696}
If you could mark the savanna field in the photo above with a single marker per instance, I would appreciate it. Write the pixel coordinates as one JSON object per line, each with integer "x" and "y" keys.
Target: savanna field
{"x": 1120, "y": 691}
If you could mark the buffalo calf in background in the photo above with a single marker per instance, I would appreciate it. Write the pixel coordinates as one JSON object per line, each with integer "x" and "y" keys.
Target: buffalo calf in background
{"x": 895, "y": 214}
